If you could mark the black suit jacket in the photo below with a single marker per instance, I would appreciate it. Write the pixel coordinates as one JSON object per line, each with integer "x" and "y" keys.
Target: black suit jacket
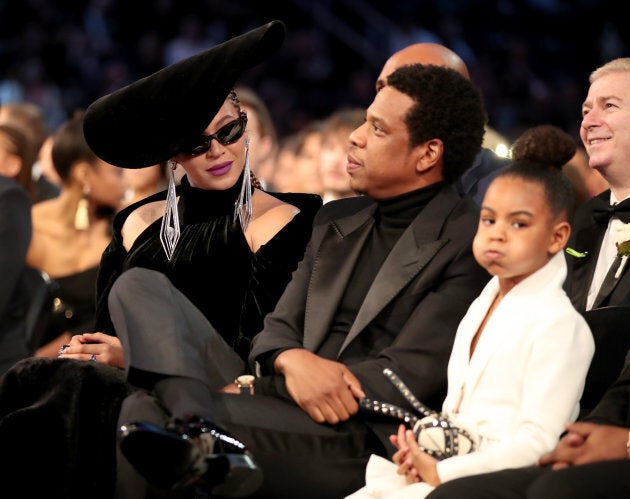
{"x": 614, "y": 408}
{"x": 423, "y": 289}
{"x": 586, "y": 237}
{"x": 15, "y": 237}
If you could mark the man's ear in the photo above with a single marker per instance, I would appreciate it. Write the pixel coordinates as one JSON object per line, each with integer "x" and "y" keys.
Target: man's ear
{"x": 430, "y": 154}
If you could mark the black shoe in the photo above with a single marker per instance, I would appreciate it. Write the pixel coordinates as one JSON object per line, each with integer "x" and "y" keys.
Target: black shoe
{"x": 196, "y": 452}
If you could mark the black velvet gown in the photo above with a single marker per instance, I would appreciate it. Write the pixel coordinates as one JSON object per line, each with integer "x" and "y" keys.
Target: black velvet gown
{"x": 212, "y": 264}
{"x": 58, "y": 417}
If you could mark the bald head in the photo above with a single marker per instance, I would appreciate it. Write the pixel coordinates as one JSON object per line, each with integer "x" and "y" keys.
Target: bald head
{"x": 422, "y": 53}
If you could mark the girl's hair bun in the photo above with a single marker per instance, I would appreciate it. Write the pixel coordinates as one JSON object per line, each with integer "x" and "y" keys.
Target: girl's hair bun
{"x": 546, "y": 144}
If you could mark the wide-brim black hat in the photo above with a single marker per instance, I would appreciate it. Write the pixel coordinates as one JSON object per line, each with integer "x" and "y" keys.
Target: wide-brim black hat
{"x": 149, "y": 121}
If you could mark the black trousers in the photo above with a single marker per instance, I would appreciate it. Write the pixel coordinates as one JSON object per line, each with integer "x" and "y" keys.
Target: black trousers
{"x": 299, "y": 458}
{"x": 603, "y": 480}
{"x": 166, "y": 336}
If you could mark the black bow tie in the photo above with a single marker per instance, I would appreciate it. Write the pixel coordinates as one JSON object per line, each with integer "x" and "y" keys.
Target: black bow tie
{"x": 602, "y": 212}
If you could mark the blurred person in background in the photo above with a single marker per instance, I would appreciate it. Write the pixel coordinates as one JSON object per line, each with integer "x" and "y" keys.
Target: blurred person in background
{"x": 285, "y": 162}
{"x": 298, "y": 163}
{"x": 336, "y": 132}
{"x": 15, "y": 235}
{"x": 143, "y": 182}
{"x": 263, "y": 136}
{"x": 29, "y": 119}
{"x": 13, "y": 145}
{"x": 15, "y": 164}
{"x": 71, "y": 231}
{"x": 586, "y": 181}
{"x": 45, "y": 166}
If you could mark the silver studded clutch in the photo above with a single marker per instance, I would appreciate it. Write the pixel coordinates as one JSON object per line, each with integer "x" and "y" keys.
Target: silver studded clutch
{"x": 435, "y": 432}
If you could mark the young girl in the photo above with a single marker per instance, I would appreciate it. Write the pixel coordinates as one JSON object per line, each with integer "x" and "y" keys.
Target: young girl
{"x": 521, "y": 353}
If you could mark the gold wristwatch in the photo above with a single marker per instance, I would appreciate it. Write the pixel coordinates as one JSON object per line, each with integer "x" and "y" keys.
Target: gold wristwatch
{"x": 245, "y": 384}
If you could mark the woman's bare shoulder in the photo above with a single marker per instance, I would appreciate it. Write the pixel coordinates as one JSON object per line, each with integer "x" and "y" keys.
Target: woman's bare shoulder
{"x": 266, "y": 204}
{"x": 139, "y": 219}
{"x": 45, "y": 211}
{"x": 269, "y": 217}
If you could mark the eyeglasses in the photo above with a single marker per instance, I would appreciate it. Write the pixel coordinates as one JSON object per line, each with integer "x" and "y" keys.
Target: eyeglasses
{"x": 226, "y": 135}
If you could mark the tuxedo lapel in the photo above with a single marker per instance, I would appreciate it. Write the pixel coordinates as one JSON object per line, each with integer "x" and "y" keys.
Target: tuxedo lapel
{"x": 588, "y": 240}
{"x": 609, "y": 283}
{"x": 334, "y": 263}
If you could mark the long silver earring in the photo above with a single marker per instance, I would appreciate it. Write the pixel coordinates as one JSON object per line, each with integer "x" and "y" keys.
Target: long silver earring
{"x": 169, "y": 232}
{"x": 243, "y": 205}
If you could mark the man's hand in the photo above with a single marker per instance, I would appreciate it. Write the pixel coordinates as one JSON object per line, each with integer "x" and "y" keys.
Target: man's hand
{"x": 231, "y": 388}
{"x": 326, "y": 390}
{"x": 587, "y": 443}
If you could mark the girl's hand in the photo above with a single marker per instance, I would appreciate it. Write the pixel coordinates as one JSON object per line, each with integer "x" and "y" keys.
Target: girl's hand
{"x": 402, "y": 458}
{"x": 423, "y": 463}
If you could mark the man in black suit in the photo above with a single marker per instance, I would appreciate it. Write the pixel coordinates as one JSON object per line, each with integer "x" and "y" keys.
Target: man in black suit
{"x": 596, "y": 451}
{"x": 487, "y": 164}
{"x": 15, "y": 236}
{"x": 598, "y": 281}
{"x": 594, "y": 278}
{"x": 384, "y": 282}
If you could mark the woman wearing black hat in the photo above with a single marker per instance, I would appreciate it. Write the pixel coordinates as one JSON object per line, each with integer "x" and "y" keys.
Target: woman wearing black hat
{"x": 217, "y": 229}
{"x": 226, "y": 246}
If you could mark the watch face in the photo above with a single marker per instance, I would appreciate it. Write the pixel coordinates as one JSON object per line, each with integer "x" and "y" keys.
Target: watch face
{"x": 245, "y": 380}
{"x": 245, "y": 384}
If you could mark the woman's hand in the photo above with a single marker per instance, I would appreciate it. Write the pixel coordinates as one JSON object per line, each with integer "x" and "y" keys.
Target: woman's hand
{"x": 98, "y": 347}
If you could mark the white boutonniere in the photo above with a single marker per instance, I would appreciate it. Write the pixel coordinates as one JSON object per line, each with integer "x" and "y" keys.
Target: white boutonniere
{"x": 623, "y": 247}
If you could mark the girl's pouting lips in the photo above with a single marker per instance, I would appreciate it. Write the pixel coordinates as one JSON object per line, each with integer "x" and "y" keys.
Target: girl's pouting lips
{"x": 493, "y": 254}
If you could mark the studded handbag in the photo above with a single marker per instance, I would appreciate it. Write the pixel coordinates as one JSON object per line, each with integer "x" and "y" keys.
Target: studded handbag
{"x": 435, "y": 432}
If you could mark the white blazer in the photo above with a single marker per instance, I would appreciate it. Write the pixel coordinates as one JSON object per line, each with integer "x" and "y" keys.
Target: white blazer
{"x": 523, "y": 382}
{"x": 526, "y": 375}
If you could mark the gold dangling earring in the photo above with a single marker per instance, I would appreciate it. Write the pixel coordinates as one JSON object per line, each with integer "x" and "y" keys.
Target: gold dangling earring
{"x": 82, "y": 215}
{"x": 169, "y": 231}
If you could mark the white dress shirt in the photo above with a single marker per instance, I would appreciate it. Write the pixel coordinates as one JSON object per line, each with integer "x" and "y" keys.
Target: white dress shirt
{"x": 607, "y": 255}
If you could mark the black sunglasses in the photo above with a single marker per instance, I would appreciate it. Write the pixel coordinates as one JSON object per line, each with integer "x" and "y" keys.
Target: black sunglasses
{"x": 226, "y": 135}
